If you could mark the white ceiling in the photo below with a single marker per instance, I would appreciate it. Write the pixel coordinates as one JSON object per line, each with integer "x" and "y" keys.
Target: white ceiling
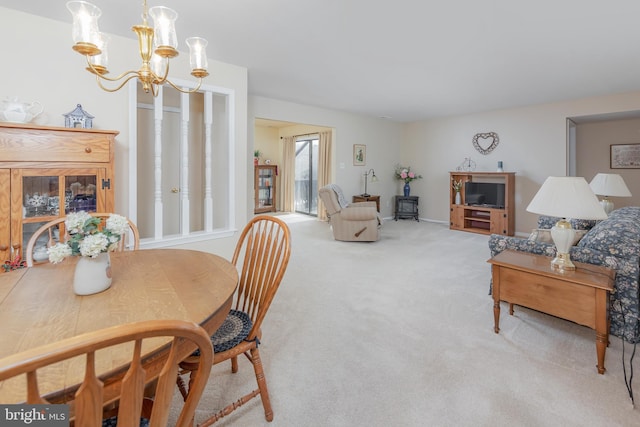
{"x": 406, "y": 60}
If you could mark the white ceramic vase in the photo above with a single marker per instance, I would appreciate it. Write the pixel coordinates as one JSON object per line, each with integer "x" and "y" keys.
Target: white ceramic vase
{"x": 92, "y": 275}
{"x": 458, "y": 198}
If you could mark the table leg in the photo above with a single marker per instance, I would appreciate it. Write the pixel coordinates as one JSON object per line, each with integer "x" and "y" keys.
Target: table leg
{"x": 495, "y": 279}
{"x": 496, "y": 314}
{"x": 602, "y": 332}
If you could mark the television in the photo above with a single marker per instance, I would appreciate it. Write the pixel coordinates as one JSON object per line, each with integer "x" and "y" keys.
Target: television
{"x": 488, "y": 194}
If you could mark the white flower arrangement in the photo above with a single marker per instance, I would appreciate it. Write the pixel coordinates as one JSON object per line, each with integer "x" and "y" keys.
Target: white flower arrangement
{"x": 86, "y": 238}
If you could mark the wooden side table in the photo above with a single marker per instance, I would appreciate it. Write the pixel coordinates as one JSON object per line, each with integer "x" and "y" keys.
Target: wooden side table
{"x": 369, "y": 198}
{"x": 582, "y": 296}
{"x": 407, "y": 207}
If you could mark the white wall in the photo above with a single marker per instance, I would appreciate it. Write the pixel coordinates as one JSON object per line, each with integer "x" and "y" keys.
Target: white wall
{"x": 532, "y": 144}
{"x": 593, "y": 155}
{"x": 267, "y": 140}
{"x": 39, "y": 64}
{"x": 383, "y": 139}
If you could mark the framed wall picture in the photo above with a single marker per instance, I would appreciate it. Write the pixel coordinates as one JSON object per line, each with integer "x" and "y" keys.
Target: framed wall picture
{"x": 359, "y": 155}
{"x": 625, "y": 156}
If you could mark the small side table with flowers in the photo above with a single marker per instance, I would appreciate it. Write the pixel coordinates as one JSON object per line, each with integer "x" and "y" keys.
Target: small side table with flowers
{"x": 405, "y": 174}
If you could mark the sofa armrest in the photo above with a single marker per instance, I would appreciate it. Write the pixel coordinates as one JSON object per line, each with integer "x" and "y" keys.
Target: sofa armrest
{"x": 363, "y": 205}
{"x": 359, "y": 213}
{"x": 499, "y": 243}
{"x": 626, "y": 266}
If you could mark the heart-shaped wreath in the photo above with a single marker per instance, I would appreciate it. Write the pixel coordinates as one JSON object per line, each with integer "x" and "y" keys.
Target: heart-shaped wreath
{"x": 489, "y": 139}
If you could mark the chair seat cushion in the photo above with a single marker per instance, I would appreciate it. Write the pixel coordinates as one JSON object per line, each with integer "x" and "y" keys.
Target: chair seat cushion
{"x": 233, "y": 330}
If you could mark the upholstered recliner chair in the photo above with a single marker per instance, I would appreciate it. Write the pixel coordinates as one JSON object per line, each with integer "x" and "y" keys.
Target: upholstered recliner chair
{"x": 357, "y": 222}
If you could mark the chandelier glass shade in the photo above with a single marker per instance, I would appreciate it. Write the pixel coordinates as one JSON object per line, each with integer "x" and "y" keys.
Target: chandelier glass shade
{"x": 157, "y": 45}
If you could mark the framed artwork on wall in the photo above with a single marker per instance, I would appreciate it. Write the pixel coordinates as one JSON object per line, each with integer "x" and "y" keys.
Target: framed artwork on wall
{"x": 359, "y": 155}
{"x": 625, "y": 156}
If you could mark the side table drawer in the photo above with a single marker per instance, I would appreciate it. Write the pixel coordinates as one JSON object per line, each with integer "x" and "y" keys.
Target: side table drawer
{"x": 552, "y": 296}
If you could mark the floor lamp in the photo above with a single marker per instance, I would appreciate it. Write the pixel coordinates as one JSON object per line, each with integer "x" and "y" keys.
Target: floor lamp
{"x": 374, "y": 178}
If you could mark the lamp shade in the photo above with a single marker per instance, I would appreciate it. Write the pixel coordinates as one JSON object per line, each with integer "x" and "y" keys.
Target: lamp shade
{"x": 609, "y": 184}
{"x": 566, "y": 197}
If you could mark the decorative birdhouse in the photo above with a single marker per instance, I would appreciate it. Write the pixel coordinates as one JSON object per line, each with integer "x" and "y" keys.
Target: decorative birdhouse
{"x": 78, "y": 118}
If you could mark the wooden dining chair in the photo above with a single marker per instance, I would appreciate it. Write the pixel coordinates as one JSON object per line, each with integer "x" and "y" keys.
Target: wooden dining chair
{"x": 90, "y": 396}
{"x": 53, "y": 228}
{"x": 262, "y": 254}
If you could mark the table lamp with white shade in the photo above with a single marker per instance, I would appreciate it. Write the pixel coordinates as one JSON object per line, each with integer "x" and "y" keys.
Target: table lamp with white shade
{"x": 565, "y": 197}
{"x": 609, "y": 185}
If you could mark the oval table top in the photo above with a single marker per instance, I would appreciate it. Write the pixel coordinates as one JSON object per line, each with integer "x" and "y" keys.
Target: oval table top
{"x": 38, "y": 305}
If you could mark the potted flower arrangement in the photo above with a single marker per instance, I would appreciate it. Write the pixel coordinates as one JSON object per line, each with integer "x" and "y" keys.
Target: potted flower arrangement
{"x": 404, "y": 173}
{"x": 256, "y": 157}
{"x": 93, "y": 244}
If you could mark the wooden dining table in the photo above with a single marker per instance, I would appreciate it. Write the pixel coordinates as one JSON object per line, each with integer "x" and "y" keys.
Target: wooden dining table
{"x": 38, "y": 306}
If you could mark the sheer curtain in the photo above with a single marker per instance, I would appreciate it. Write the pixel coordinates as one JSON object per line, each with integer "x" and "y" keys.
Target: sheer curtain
{"x": 287, "y": 180}
{"x": 324, "y": 167}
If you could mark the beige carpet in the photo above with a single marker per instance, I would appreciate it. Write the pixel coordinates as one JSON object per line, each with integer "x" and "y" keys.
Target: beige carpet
{"x": 400, "y": 333}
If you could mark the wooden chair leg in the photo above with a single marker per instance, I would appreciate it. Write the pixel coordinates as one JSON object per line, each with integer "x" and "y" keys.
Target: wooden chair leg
{"x": 262, "y": 383}
{"x": 182, "y": 387}
{"x": 234, "y": 364}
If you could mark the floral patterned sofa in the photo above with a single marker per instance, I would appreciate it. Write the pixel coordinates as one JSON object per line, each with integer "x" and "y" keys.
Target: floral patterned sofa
{"x": 614, "y": 243}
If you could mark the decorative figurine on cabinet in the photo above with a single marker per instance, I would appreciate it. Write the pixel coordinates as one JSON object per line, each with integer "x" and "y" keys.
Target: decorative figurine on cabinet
{"x": 78, "y": 118}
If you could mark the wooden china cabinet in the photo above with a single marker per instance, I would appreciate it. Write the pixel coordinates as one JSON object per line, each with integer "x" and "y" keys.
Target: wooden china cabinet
{"x": 47, "y": 172}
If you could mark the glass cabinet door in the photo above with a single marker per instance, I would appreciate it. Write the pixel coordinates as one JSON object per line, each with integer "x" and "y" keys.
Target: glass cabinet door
{"x": 40, "y": 203}
{"x": 48, "y": 194}
{"x": 40, "y": 196}
{"x": 80, "y": 193}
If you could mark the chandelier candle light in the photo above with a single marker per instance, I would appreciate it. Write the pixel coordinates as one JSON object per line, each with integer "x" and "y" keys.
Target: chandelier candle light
{"x": 157, "y": 45}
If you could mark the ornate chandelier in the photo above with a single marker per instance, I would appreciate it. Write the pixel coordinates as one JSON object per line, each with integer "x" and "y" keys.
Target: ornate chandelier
{"x": 157, "y": 45}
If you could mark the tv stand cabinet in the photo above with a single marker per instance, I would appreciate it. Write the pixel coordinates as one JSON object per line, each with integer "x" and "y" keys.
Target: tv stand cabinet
{"x": 483, "y": 219}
